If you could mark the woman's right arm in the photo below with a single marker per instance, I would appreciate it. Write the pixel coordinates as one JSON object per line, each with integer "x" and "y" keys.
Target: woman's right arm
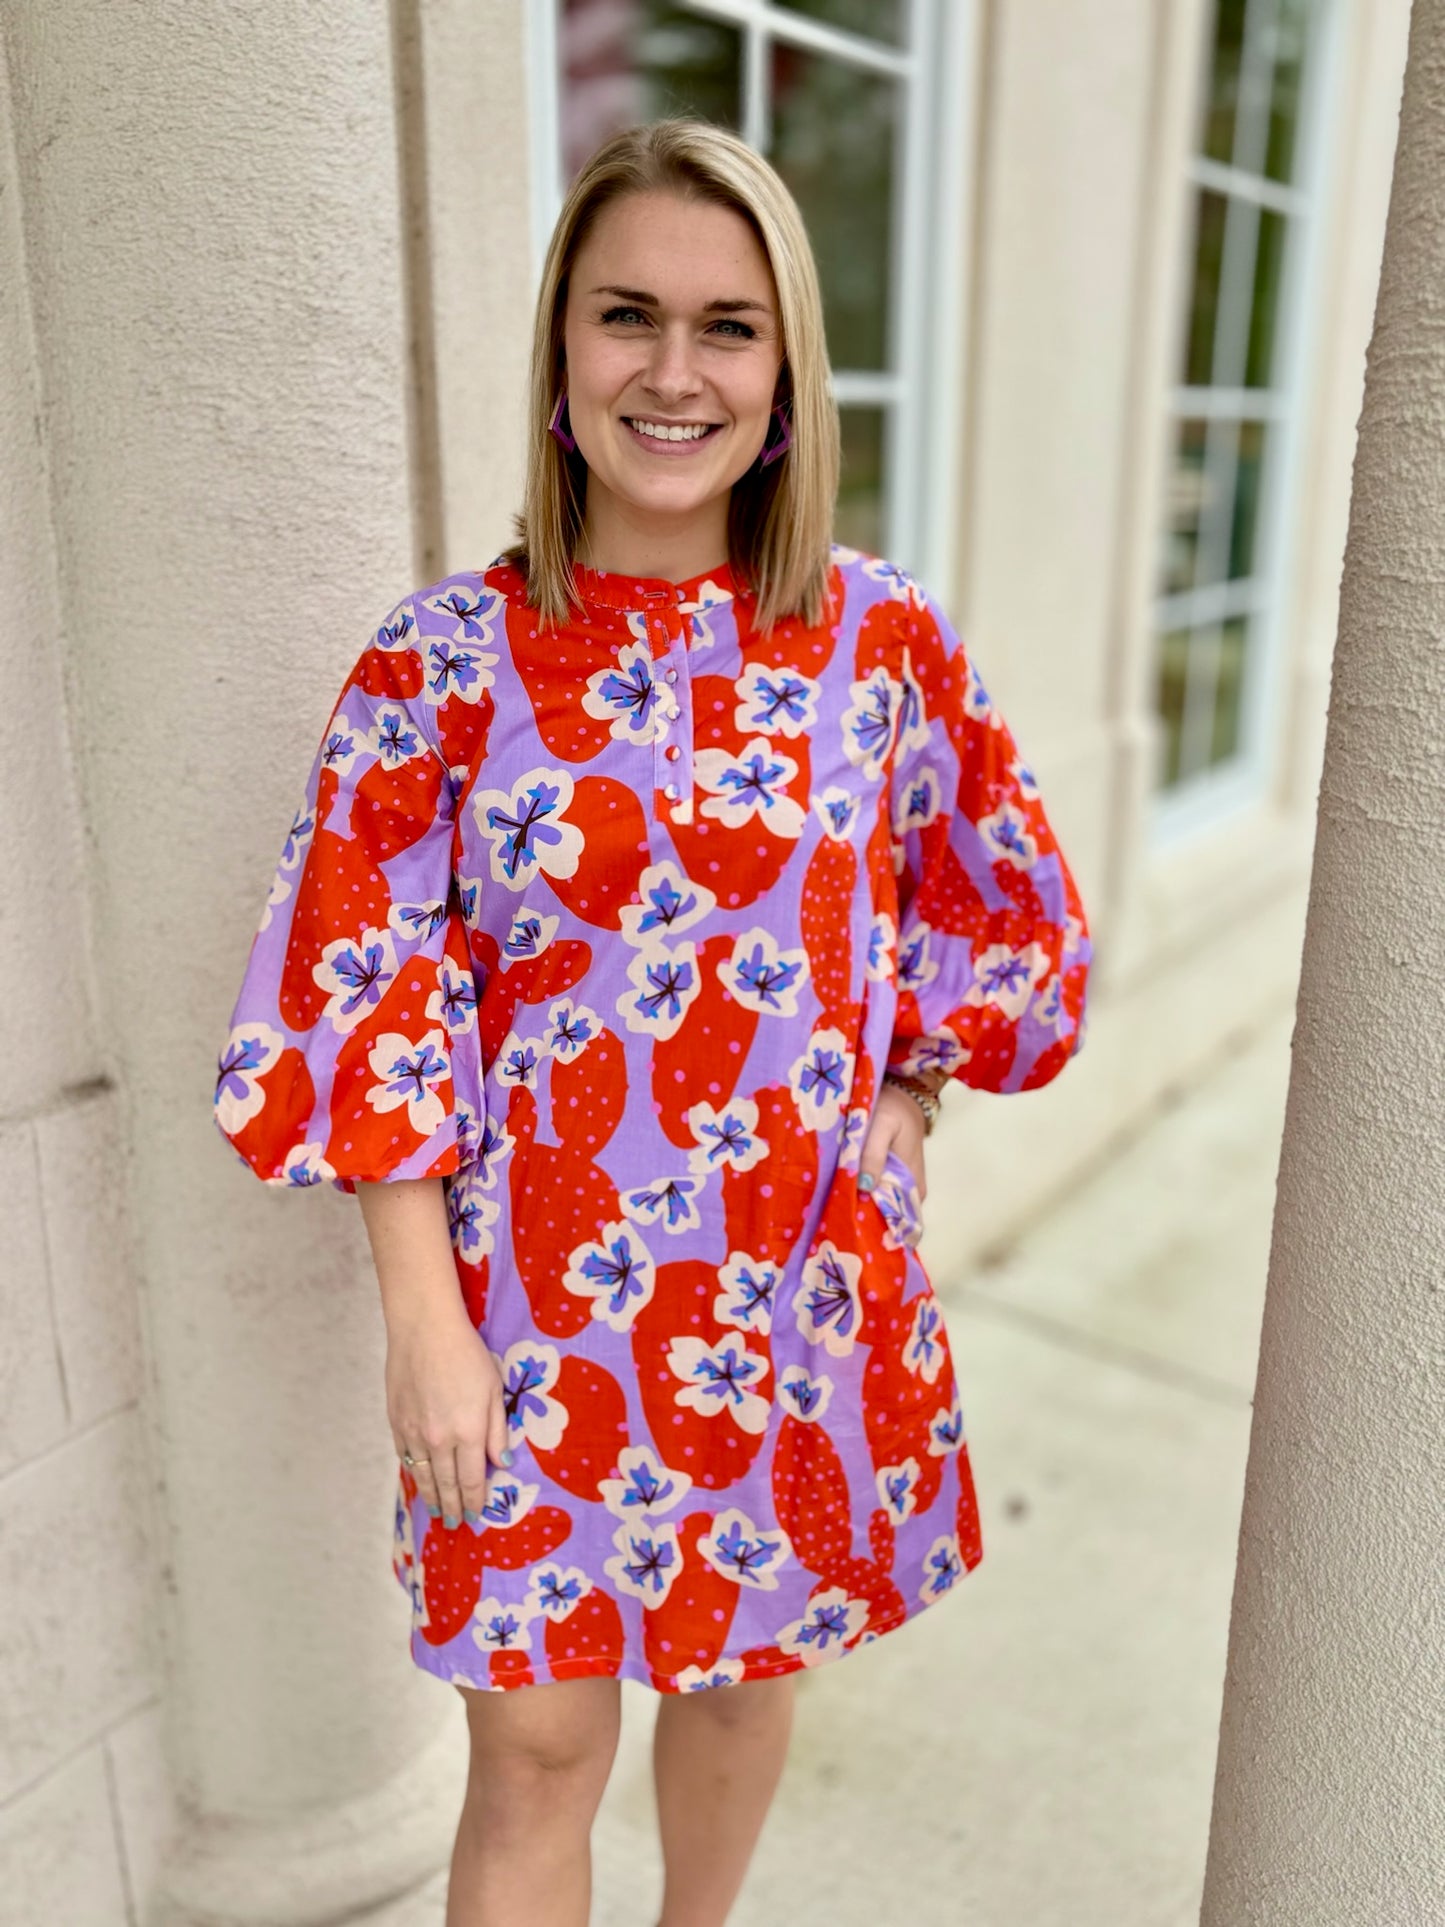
{"x": 443, "y": 1392}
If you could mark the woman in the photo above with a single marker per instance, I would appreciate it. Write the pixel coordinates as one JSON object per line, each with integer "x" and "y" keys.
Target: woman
{"x": 648, "y": 884}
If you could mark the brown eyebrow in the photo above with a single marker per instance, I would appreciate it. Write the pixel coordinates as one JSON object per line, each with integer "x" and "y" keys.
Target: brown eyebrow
{"x": 644, "y": 300}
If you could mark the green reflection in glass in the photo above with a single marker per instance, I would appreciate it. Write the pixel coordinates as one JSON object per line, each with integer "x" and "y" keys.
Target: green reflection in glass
{"x": 1173, "y": 685}
{"x": 834, "y": 129}
{"x": 1184, "y": 507}
{"x": 1204, "y": 301}
{"x": 874, "y": 19}
{"x": 1291, "y": 40}
{"x": 1244, "y": 529}
{"x": 626, "y": 61}
{"x": 1223, "y": 98}
{"x": 858, "y": 523}
{"x": 1229, "y": 690}
{"x": 1268, "y": 268}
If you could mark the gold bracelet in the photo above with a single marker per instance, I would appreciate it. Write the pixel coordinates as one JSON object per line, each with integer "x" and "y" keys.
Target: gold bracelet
{"x": 928, "y": 1101}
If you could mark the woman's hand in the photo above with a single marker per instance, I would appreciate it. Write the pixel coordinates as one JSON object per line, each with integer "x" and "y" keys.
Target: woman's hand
{"x": 897, "y": 1125}
{"x": 444, "y": 1399}
{"x": 443, "y": 1393}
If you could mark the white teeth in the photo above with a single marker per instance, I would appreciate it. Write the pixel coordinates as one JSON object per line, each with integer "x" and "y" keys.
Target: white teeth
{"x": 661, "y": 432}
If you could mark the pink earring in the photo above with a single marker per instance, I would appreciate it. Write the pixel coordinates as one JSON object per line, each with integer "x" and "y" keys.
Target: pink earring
{"x": 779, "y": 444}
{"x": 561, "y": 422}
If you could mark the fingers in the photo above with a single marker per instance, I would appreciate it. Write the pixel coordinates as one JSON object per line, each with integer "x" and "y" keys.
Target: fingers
{"x": 498, "y": 1450}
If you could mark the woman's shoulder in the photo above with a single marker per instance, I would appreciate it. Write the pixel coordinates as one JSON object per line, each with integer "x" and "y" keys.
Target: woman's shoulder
{"x": 870, "y": 578}
{"x": 462, "y": 596}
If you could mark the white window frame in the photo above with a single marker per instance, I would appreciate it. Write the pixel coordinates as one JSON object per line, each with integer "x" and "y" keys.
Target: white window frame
{"x": 1201, "y": 802}
{"x": 920, "y": 388}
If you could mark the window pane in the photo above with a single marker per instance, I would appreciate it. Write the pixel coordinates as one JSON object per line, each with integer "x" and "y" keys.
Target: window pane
{"x": 1291, "y": 34}
{"x": 859, "y": 520}
{"x": 1204, "y": 303}
{"x": 874, "y": 19}
{"x": 833, "y": 141}
{"x": 1268, "y": 262}
{"x": 1183, "y": 508}
{"x": 1228, "y": 690}
{"x": 625, "y": 61}
{"x": 1223, "y": 82}
{"x": 1242, "y": 542}
{"x": 1173, "y": 683}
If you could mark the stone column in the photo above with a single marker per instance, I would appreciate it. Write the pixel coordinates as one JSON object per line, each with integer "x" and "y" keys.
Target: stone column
{"x": 1330, "y": 1797}
{"x": 213, "y": 208}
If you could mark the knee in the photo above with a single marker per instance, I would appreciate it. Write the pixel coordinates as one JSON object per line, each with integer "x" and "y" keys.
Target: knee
{"x": 521, "y": 1777}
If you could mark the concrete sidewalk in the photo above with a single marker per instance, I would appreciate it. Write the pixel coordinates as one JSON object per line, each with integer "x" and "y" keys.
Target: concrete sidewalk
{"x": 1038, "y": 1751}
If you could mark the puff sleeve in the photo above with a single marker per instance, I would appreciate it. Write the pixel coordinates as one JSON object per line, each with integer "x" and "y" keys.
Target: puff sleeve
{"x": 993, "y": 944}
{"x": 353, "y": 1051}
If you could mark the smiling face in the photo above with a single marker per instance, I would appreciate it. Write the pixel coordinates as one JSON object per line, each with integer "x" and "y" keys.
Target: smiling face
{"x": 673, "y": 347}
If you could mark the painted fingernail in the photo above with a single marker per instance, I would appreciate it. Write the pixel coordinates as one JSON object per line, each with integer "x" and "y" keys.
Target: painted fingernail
{"x": 450, "y": 1523}
{"x": 472, "y": 1518}
{"x": 434, "y": 1510}
{"x": 505, "y": 1455}
{"x": 866, "y": 1181}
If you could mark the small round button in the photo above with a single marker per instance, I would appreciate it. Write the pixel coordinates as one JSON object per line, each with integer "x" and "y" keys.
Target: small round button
{"x": 672, "y": 752}
{"x": 669, "y": 790}
{"x": 672, "y": 675}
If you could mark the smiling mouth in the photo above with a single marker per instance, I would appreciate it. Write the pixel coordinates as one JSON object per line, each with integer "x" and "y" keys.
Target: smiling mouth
{"x": 670, "y": 434}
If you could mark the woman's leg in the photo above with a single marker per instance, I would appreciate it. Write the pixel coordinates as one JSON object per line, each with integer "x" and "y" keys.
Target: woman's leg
{"x": 540, "y": 1759}
{"x": 717, "y": 1757}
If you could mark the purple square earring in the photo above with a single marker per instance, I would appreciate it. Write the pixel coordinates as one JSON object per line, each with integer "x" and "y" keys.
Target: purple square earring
{"x": 780, "y": 443}
{"x": 561, "y": 422}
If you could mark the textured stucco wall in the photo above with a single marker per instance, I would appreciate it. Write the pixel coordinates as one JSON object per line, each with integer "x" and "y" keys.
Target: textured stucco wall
{"x": 1330, "y": 1801}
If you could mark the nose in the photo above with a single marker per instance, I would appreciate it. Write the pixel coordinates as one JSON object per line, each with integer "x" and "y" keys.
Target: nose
{"x": 673, "y": 374}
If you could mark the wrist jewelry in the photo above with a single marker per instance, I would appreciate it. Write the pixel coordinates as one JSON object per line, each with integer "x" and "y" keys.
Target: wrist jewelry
{"x": 927, "y": 1100}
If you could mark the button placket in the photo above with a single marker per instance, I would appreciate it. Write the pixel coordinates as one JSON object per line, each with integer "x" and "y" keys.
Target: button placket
{"x": 672, "y": 753}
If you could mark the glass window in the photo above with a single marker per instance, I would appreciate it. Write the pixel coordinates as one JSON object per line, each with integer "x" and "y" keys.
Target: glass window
{"x": 828, "y": 90}
{"x": 1216, "y": 576}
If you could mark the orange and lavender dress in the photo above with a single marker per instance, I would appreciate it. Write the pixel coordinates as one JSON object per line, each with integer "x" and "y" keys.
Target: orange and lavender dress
{"x": 614, "y": 930}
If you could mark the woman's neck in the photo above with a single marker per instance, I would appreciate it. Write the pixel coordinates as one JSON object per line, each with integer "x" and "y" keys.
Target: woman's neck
{"x": 620, "y": 544}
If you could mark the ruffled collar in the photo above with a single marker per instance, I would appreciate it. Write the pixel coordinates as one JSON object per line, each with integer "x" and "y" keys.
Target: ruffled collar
{"x": 606, "y": 589}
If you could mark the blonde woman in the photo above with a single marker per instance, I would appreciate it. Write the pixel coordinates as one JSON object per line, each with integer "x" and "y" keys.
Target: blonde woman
{"x": 649, "y": 883}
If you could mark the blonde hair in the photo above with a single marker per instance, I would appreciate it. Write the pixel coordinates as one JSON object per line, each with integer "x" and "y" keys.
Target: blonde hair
{"x": 780, "y": 518}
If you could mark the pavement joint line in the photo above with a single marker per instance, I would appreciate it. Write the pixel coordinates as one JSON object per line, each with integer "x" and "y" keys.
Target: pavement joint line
{"x": 1216, "y": 1391}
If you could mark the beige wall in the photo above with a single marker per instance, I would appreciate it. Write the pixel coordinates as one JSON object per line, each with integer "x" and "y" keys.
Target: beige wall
{"x": 264, "y": 290}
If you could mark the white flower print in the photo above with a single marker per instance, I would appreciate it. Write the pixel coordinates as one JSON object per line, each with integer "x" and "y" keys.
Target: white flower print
{"x": 280, "y": 890}
{"x": 417, "y": 921}
{"x": 752, "y": 783}
{"x": 881, "y": 960}
{"x": 901, "y": 586}
{"x": 643, "y": 1485}
{"x": 670, "y": 902}
{"x": 1023, "y": 777}
{"x": 616, "y": 1272}
{"x": 507, "y": 1503}
{"x": 527, "y": 828}
{"x": 898, "y": 1489}
{"x": 398, "y": 631}
{"x": 469, "y": 901}
{"x": 976, "y": 701}
{"x": 647, "y": 1561}
{"x": 344, "y": 743}
{"x": 249, "y": 1053}
{"x": 913, "y": 725}
{"x": 519, "y": 1061}
{"x": 945, "y": 1429}
{"x": 780, "y": 702}
{"x": 805, "y": 1396}
{"x": 475, "y": 614}
{"x": 528, "y": 1372}
{"x": 453, "y": 1003}
{"x": 394, "y": 738}
{"x": 748, "y": 1289}
{"x": 916, "y": 963}
{"x": 763, "y": 976}
{"x": 628, "y": 695}
{"x": 494, "y": 1146}
{"x": 721, "y": 1378}
{"x": 710, "y": 596}
{"x": 822, "y": 1078}
{"x": 749, "y": 1554}
{"x": 460, "y": 669}
{"x": 500, "y": 1628}
{"x": 1008, "y": 838}
{"x": 725, "y": 1137}
{"x": 938, "y": 1050}
{"x": 571, "y": 1027}
{"x": 529, "y": 936}
{"x": 298, "y": 839}
{"x": 920, "y": 802}
{"x": 870, "y": 720}
{"x": 471, "y": 1215}
{"x": 942, "y": 1567}
{"x": 411, "y": 1074}
{"x": 356, "y": 972}
{"x": 664, "y": 983}
{"x": 305, "y": 1165}
{"x": 831, "y": 1621}
{"x": 670, "y": 1202}
{"x": 827, "y": 1302}
{"x": 554, "y": 1591}
{"x": 722, "y": 1672}
{"x": 923, "y": 1352}
{"x": 1008, "y": 978}
{"x": 836, "y": 809}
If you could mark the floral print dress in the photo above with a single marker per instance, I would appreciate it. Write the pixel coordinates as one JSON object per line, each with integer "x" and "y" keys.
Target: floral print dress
{"x": 614, "y": 929}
